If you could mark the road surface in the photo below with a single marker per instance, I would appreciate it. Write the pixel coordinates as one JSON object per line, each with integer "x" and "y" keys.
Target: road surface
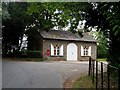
{"x": 50, "y": 74}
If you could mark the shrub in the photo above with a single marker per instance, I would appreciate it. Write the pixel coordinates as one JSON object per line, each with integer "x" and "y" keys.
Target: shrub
{"x": 28, "y": 54}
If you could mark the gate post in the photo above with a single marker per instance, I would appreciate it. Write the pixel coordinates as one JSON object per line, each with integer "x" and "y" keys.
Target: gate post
{"x": 102, "y": 75}
{"x": 96, "y": 74}
{"x": 108, "y": 74}
{"x": 93, "y": 65}
{"x": 89, "y": 71}
{"x": 119, "y": 78}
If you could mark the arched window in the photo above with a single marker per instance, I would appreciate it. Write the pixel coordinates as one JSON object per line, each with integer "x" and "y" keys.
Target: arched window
{"x": 85, "y": 51}
{"x": 56, "y": 50}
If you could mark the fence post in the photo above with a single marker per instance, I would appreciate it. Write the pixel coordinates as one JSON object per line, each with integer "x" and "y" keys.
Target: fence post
{"x": 119, "y": 78}
{"x": 93, "y": 70}
{"x": 89, "y": 67}
{"x": 96, "y": 73}
{"x": 108, "y": 74}
{"x": 102, "y": 75}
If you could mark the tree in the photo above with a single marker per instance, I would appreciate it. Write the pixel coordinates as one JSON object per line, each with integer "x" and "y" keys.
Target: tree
{"x": 60, "y": 14}
{"x": 45, "y": 16}
{"x": 106, "y": 17}
{"x": 13, "y": 25}
{"x": 102, "y": 48}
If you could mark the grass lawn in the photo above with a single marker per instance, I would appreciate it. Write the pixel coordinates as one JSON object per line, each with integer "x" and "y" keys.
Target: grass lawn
{"x": 102, "y": 59}
{"x": 83, "y": 82}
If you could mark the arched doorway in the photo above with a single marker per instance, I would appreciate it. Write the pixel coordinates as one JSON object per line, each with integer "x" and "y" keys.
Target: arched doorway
{"x": 71, "y": 52}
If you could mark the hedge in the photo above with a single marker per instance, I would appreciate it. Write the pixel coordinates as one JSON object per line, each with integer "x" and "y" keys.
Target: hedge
{"x": 24, "y": 54}
{"x": 29, "y": 54}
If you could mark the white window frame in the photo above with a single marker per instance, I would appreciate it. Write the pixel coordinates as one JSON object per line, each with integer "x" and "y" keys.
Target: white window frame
{"x": 56, "y": 50}
{"x": 51, "y": 50}
{"x": 85, "y": 51}
{"x": 61, "y": 50}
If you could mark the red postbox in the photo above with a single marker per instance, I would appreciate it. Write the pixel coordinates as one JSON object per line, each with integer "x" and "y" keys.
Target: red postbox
{"x": 48, "y": 52}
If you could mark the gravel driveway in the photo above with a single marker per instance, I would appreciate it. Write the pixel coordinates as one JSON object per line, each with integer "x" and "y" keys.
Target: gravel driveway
{"x": 50, "y": 74}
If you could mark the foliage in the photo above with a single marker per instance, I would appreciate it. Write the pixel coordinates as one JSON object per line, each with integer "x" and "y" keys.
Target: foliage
{"x": 28, "y": 54}
{"x": 102, "y": 47}
{"x": 33, "y": 39}
{"x": 58, "y": 14}
{"x": 101, "y": 44}
{"x": 106, "y": 17}
{"x": 13, "y": 25}
{"x": 23, "y": 54}
{"x": 4, "y": 14}
{"x": 37, "y": 16}
{"x": 44, "y": 16}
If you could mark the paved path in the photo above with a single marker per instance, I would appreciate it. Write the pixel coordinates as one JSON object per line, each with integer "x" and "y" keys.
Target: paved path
{"x": 40, "y": 74}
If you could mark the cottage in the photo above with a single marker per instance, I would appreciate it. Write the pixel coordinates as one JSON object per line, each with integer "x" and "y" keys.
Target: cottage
{"x": 65, "y": 45}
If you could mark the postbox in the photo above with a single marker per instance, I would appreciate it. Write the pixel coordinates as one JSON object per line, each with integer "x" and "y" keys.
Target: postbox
{"x": 48, "y": 52}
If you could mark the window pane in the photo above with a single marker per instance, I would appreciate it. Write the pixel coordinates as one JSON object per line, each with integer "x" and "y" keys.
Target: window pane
{"x": 54, "y": 50}
{"x": 86, "y": 52}
{"x": 58, "y": 51}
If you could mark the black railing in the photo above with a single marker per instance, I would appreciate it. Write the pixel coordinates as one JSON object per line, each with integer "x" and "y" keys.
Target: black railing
{"x": 104, "y": 75}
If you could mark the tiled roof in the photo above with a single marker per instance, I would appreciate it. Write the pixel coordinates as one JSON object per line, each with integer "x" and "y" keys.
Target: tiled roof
{"x": 66, "y": 35}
